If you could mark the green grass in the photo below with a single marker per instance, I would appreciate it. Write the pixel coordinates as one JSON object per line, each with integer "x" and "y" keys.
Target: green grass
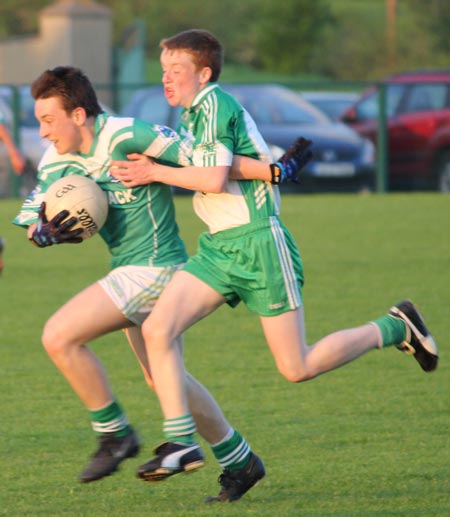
{"x": 370, "y": 439}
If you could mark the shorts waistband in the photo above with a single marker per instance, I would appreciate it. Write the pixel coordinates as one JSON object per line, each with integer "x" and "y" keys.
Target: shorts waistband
{"x": 246, "y": 229}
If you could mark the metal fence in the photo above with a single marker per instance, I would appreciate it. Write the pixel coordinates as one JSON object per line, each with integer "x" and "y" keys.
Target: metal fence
{"x": 19, "y": 121}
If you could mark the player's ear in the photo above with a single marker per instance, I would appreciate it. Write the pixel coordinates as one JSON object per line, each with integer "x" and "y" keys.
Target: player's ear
{"x": 205, "y": 74}
{"x": 79, "y": 116}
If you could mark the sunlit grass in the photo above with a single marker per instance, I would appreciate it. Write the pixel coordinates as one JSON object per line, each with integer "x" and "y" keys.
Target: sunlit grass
{"x": 368, "y": 439}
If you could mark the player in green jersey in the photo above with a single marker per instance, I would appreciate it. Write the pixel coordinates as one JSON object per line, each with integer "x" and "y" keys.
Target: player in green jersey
{"x": 143, "y": 239}
{"x": 247, "y": 255}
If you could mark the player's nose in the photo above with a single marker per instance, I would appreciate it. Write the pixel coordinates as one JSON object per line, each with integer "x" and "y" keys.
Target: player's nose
{"x": 43, "y": 132}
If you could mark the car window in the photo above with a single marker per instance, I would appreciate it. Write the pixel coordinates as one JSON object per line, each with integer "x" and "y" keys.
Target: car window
{"x": 278, "y": 108}
{"x": 367, "y": 109}
{"x": 149, "y": 106}
{"x": 332, "y": 107}
{"x": 291, "y": 114}
{"x": 425, "y": 97}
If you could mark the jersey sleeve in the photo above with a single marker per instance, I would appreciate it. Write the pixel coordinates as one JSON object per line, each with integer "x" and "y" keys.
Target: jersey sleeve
{"x": 158, "y": 142}
{"x": 224, "y": 129}
{"x": 215, "y": 142}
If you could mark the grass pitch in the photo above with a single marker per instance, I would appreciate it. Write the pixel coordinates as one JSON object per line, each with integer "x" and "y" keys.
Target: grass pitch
{"x": 370, "y": 439}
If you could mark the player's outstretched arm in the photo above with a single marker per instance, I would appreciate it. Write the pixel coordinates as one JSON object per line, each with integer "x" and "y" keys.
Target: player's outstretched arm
{"x": 46, "y": 233}
{"x": 286, "y": 168}
{"x": 141, "y": 170}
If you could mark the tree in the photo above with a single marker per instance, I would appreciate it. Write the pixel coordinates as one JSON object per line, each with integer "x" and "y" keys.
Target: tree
{"x": 355, "y": 47}
{"x": 434, "y": 16}
{"x": 18, "y": 17}
{"x": 339, "y": 39}
{"x": 287, "y": 32}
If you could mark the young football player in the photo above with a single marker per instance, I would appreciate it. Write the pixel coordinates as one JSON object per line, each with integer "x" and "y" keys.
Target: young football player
{"x": 143, "y": 239}
{"x": 247, "y": 255}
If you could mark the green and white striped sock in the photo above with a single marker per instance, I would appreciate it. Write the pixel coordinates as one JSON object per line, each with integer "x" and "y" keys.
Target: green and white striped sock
{"x": 180, "y": 430}
{"x": 233, "y": 452}
{"x": 110, "y": 420}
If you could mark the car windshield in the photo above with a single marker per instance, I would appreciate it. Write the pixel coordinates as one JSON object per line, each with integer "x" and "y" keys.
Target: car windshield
{"x": 367, "y": 108}
{"x": 332, "y": 107}
{"x": 426, "y": 97}
{"x": 273, "y": 105}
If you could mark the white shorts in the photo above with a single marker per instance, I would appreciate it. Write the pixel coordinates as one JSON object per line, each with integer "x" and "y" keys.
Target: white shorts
{"x": 136, "y": 289}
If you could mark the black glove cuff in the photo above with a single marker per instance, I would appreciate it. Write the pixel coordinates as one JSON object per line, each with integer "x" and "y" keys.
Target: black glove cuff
{"x": 276, "y": 173}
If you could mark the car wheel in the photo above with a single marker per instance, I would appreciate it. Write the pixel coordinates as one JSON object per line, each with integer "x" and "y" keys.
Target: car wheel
{"x": 443, "y": 173}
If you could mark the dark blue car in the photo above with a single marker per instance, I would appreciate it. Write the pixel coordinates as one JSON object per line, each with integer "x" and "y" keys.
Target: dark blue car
{"x": 343, "y": 160}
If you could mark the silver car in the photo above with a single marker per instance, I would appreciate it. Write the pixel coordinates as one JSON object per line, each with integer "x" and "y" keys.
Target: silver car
{"x": 30, "y": 143}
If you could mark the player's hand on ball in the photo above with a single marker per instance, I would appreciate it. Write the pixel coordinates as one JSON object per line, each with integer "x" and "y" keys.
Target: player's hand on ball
{"x": 55, "y": 231}
{"x": 292, "y": 161}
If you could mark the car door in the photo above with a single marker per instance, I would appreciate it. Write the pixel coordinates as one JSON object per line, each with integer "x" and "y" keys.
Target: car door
{"x": 411, "y": 131}
{"x": 364, "y": 118}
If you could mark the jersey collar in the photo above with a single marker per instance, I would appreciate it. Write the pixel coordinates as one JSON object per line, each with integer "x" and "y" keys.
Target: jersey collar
{"x": 201, "y": 95}
{"x": 100, "y": 122}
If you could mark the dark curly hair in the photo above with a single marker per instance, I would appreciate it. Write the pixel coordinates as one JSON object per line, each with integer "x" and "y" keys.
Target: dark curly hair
{"x": 69, "y": 84}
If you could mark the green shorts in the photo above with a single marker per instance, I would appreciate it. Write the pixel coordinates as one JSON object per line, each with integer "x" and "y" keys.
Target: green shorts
{"x": 258, "y": 263}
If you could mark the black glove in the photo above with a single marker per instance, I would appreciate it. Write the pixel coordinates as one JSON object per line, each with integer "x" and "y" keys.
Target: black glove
{"x": 53, "y": 232}
{"x": 292, "y": 162}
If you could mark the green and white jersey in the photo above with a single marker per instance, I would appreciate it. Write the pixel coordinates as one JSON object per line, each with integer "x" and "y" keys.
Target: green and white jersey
{"x": 215, "y": 128}
{"x": 140, "y": 228}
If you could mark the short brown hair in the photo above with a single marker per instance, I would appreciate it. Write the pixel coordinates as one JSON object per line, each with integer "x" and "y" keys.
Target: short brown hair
{"x": 202, "y": 45}
{"x": 71, "y": 86}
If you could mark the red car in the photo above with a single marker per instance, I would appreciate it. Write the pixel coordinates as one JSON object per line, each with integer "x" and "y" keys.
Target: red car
{"x": 418, "y": 120}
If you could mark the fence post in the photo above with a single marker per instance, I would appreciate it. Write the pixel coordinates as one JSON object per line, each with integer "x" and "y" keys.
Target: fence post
{"x": 382, "y": 141}
{"x": 15, "y": 179}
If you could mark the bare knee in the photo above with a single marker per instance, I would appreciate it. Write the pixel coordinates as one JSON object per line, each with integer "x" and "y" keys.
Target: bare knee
{"x": 296, "y": 374}
{"x": 157, "y": 335}
{"x": 53, "y": 340}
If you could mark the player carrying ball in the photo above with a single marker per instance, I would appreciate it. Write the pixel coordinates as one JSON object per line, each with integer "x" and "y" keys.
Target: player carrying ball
{"x": 143, "y": 239}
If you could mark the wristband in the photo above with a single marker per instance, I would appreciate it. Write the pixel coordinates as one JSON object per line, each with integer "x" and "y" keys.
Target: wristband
{"x": 277, "y": 173}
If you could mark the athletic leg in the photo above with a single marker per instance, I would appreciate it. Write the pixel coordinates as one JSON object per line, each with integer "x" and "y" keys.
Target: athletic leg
{"x": 209, "y": 418}
{"x": 137, "y": 344}
{"x": 87, "y": 316}
{"x": 297, "y": 362}
{"x": 185, "y": 301}
{"x": 403, "y": 327}
{"x": 285, "y": 333}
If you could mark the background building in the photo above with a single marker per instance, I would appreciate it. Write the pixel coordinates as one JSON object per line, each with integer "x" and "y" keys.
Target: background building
{"x": 71, "y": 32}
